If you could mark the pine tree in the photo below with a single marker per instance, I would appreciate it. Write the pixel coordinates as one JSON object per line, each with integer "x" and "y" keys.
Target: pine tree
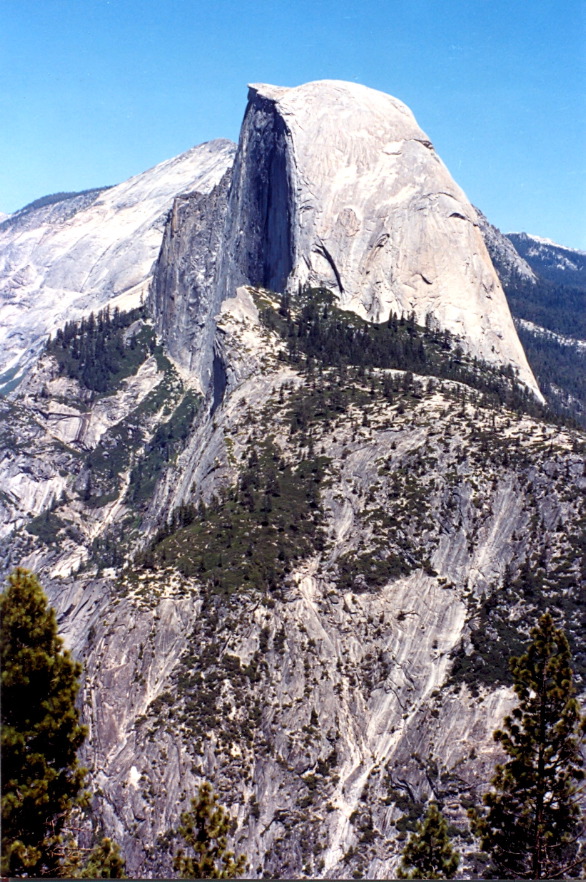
{"x": 429, "y": 853}
{"x": 41, "y": 734}
{"x": 205, "y": 831}
{"x": 532, "y": 820}
{"x": 77, "y": 861}
{"x": 104, "y": 862}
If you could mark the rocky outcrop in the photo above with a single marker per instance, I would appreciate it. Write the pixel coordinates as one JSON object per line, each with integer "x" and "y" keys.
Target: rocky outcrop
{"x": 185, "y": 296}
{"x": 68, "y": 458}
{"x": 61, "y": 261}
{"x": 335, "y": 184}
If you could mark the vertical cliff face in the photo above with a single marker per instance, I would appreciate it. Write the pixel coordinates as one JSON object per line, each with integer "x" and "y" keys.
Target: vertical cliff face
{"x": 184, "y": 295}
{"x": 238, "y": 233}
{"x": 259, "y": 234}
{"x": 336, "y": 184}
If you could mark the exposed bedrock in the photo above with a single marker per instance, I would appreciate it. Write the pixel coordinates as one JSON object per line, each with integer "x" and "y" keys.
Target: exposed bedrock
{"x": 336, "y": 184}
{"x": 184, "y": 295}
{"x": 60, "y": 262}
{"x": 259, "y": 238}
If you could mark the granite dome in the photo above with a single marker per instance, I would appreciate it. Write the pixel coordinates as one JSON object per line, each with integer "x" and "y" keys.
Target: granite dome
{"x": 336, "y": 184}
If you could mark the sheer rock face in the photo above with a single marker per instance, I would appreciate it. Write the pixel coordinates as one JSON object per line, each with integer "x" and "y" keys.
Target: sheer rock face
{"x": 336, "y": 184}
{"x": 184, "y": 296}
{"x": 259, "y": 236}
{"x": 61, "y": 261}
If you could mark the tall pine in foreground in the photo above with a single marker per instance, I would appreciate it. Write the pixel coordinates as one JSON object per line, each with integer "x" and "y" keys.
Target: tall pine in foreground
{"x": 41, "y": 733}
{"x": 205, "y": 832}
{"x": 532, "y": 821}
{"x": 429, "y": 853}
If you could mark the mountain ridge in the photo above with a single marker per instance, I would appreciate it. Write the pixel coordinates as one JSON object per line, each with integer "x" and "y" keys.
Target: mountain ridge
{"x": 554, "y": 262}
{"x": 88, "y": 250}
{"x": 293, "y": 546}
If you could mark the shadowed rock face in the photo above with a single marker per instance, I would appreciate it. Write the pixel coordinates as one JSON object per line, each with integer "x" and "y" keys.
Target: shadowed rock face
{"x": 336, "y": 184}
{"x": 259, "y": 247}
{"x": 240, "y": 232}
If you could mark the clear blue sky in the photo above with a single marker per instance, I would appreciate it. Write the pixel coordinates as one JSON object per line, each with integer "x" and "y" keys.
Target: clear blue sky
{"x": 93, "y": 91}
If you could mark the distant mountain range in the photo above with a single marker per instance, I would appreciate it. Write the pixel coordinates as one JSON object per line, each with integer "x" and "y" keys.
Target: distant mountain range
{"x": 556, "y": 263}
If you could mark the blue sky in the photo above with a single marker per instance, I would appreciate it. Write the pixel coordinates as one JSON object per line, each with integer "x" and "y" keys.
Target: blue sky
{"x": 93, "y": 91}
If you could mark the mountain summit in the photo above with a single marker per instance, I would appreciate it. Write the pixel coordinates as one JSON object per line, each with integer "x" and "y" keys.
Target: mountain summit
{"x": 335, "y": 184}
{"x": 332, "y": 184}
{"x": 63, "y": 259}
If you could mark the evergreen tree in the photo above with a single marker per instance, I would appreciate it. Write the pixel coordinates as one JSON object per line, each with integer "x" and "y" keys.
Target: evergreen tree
{"x": 532, "y": 819}
{"x": 104, "y": 862}
{"x": 429, "y": 853}
{"x": 41, "y": 734}
{"x": 205, "y": 831}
